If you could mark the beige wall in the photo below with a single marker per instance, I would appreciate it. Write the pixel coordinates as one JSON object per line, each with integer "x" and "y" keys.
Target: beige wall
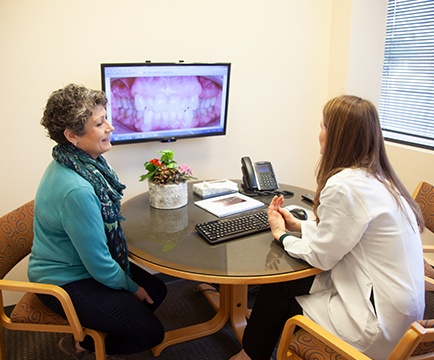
{"x": 279, "y": 57}
{"x": 288, "y": 57}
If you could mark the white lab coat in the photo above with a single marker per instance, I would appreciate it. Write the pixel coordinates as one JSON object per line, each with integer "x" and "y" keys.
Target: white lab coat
{"x": 364, "y": 242}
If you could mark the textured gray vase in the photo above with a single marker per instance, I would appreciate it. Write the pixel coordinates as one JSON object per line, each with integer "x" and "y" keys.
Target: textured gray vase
{"x": 170, "y": 196}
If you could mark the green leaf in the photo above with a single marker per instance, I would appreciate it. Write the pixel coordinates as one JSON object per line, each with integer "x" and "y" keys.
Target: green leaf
{"x": 167, "y": 157}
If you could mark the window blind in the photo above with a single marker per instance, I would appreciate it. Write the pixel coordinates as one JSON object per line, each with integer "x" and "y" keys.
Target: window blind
{"x": 407, "y": 88}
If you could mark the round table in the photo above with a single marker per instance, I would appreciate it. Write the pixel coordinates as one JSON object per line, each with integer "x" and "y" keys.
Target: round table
{"x": 166, "y": 241}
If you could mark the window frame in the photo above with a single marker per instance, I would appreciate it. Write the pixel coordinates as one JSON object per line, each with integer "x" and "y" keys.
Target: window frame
{"x": 407, "y": 87}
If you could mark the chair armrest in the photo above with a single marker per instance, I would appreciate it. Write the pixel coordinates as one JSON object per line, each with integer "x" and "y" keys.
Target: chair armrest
{"x": 49, "y": 289}
{"x": 428, "y": 249}
{"x": 337, "y": 344}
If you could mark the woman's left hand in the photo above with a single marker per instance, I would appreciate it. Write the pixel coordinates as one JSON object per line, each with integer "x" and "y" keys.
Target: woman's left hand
{"x": 142, "y": 295}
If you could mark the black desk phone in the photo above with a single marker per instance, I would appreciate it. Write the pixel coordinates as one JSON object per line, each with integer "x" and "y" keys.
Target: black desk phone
{"x": 258, "y": 175}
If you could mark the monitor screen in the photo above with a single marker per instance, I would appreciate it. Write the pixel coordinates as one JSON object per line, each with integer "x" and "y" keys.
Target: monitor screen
{"x": 165, "y": 101}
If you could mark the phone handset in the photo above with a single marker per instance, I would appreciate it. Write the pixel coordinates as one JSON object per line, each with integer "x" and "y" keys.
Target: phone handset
{"x": 258, "y": 175}
{"x": 249, "y": 176}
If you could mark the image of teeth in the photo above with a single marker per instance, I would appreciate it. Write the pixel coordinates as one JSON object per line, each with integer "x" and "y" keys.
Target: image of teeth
{"x": 160, "y": 103}
{"x": 173, "y": 110}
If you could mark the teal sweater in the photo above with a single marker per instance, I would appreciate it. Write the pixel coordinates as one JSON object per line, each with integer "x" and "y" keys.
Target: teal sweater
{"x": 69, "y": 242}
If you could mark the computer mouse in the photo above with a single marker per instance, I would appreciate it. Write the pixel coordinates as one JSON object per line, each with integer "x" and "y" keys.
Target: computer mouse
{"x": 298, "y": 213}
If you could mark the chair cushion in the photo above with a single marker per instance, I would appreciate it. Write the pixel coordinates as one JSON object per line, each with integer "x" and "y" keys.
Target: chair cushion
{"x": 16, "y": 237}
{"x": 308, "y": 347}
{"x": 425, "y": 199}
{"x": 31, "y": 310}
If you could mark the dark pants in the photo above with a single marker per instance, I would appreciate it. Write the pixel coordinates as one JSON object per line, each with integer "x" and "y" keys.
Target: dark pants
{"x": 274, "y": 304}
{"x": 130, "y": 324}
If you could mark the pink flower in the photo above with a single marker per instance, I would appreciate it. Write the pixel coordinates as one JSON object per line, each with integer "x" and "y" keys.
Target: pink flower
{"x": 185, "y": 170}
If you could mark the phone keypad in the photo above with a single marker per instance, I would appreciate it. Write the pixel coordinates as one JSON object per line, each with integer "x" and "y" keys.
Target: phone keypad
{"x": 267, "y": 181}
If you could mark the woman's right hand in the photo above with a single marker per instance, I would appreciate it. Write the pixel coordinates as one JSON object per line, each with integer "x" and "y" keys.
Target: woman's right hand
{"x": 142, "y": 294}
{"x": 275, "y": 218}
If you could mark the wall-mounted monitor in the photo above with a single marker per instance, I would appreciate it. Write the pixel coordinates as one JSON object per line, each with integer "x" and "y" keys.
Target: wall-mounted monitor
{"x": 166, "y": 101}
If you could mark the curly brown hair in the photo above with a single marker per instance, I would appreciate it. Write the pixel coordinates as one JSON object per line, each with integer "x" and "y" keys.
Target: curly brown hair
{"x": 70, "y": 108}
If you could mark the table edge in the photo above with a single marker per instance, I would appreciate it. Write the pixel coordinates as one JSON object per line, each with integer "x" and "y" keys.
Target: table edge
{"x": 233, "y": 280}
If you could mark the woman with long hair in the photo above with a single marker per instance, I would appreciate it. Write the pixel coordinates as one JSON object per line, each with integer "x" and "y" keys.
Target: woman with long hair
{"x": 366, "y": 238}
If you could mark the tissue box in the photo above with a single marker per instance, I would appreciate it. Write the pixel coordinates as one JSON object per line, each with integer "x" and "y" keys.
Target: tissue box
{"x": 212, "y": 188}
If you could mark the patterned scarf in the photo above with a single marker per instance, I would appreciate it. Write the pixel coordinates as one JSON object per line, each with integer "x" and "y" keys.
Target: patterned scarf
{"x": 107, "y": 188}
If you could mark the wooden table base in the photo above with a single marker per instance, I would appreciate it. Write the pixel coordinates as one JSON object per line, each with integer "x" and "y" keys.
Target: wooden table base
{"x": 230, "y": 304}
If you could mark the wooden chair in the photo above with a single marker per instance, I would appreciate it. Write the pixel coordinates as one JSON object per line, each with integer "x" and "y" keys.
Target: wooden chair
{"x": 312, "y": 342}
{"x": 424, "y": 196}
{"x": 30, "y": 314}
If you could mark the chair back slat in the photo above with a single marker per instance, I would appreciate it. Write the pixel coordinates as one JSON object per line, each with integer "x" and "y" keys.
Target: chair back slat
{"x": 16, "y": 236}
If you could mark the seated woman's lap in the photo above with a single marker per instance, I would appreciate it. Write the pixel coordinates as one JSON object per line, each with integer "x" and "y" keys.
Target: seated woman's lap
{"x": 155, "y": 287}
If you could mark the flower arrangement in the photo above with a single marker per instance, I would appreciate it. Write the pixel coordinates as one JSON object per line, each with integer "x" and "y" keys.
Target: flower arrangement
{"x": 165, "y": 171}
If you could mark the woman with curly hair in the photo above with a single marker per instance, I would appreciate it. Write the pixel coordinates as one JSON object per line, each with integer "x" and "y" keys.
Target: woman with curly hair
{"x": 78, "y": 242}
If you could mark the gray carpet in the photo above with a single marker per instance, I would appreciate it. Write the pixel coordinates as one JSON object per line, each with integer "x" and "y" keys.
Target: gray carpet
{"x": 183, "y": 306}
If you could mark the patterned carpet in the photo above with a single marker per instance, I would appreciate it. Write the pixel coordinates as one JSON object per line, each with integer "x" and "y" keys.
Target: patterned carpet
{"x": 183, "y": 306}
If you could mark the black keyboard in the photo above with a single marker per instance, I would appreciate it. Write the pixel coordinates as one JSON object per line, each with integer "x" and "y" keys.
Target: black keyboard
{"x": 217, "y": 231}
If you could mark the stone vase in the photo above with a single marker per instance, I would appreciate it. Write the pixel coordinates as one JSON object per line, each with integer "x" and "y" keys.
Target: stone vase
{"x": 169, "y": 196}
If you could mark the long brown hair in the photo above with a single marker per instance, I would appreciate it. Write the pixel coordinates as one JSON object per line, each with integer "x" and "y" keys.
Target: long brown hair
{"x": 354, "y": 140}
